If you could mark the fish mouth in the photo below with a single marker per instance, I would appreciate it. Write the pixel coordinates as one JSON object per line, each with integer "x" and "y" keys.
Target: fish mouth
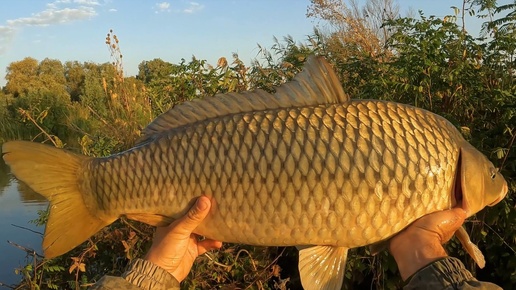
{"x": 497, "y": 200}
{"x": 505, "y": 189}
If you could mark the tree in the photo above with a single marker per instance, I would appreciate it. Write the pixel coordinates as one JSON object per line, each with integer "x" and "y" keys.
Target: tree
{"x": 75, "y": 75}
{"x": 156, "y": 74}
{"x": 51, "y": 77}
{"x": 154, "y": 70}
{"x": 28, "y": 77}
{"x": 22, "y": 77}
{"x": 507, "y": 23}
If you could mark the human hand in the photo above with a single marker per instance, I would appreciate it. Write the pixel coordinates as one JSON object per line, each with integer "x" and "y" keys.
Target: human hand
{"x": 421, "y": 242}
{"x": 174, "y": 248}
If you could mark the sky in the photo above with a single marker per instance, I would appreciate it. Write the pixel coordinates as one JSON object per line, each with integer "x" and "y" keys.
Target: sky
{"x": 170, "y": 30}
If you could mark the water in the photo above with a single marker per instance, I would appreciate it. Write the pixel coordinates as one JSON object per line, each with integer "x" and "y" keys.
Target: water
{"x": 18, "y": 205}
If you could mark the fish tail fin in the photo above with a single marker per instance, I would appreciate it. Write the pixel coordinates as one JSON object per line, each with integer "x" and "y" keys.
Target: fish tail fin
{"x": 53, "y": 173}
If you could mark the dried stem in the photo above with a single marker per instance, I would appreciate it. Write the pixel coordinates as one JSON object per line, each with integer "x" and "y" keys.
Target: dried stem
{"x": 28, "y": 116}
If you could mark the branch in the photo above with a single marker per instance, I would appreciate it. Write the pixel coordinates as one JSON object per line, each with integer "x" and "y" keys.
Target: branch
{"x": 24, "y": 228}
{"x": 27, "y": 250}
{"x": 507, "y": 154}
{"x": 28, "y": 116}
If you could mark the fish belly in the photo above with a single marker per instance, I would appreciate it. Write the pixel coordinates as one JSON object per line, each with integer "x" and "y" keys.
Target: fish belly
{"x": 344, "y": 174}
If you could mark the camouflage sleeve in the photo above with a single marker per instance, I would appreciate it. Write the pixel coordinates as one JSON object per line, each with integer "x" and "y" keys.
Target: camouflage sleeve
{"x": 447, "y": 273}
{"x": 140, "y": 274}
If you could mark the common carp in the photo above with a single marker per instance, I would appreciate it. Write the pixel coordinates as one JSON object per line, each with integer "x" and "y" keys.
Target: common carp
{"x": 305, "y": 166}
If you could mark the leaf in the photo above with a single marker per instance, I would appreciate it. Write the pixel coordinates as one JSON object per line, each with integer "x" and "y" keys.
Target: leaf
{"x": 276, "y": 270}
{"x": 499, "y": 153}
{"x": 126, "y": 246}
{"x": 82, "y": 267}
{"x": 42, "y": 115}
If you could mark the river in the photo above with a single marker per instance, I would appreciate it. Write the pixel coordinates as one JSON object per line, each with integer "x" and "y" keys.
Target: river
{"x": 18, "y": 205}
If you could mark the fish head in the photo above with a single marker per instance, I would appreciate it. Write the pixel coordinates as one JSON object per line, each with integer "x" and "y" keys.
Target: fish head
{"x": 478, "y": 182}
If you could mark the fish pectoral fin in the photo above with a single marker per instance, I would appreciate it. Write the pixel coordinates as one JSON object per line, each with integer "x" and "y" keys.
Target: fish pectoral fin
{"x": 471, "y": 248}
{"x": 151, "y": 219}
{"x": 322, "y": 267}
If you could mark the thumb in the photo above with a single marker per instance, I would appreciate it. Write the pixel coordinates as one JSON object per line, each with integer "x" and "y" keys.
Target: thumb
{"x": 445, "y": 223}
{"x": 452, "y": 220}
{"x": 195, "y": 215}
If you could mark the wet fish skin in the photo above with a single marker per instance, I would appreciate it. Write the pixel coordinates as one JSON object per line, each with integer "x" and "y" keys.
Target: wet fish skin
{"x": 344, "y": 175}
{"x": 305, "y": 166}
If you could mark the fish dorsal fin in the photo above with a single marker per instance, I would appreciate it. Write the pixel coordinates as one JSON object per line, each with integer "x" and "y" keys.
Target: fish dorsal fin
{"x": 322, "y": 267}
{"x": 317, "y": 84}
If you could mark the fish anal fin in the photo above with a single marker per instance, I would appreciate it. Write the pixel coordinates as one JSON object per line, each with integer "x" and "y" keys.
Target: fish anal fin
{"x": 317, "y": 84}
{"x": 53, "y": 173}
{"x": 151, "y": 219}
{"x": 471, "y": 248}
{"x": 322, "y": 267}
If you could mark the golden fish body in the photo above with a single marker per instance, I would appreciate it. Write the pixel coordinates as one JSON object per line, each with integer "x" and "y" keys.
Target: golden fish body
{"x": 341, "y": 174}
{"x": 305, "y": 166}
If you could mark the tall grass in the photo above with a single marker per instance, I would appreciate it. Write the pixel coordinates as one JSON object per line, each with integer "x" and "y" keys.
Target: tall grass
{"x": 9, "y": 128}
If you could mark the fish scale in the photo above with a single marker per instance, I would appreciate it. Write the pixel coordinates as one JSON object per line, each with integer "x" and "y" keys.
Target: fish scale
{"x": 256, "y": 165}
{"x": 305, "y": 166}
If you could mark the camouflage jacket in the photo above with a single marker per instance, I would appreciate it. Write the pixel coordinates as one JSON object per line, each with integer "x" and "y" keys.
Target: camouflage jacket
{"x": 448, "y": 273}
{"x": 140, "y": 274}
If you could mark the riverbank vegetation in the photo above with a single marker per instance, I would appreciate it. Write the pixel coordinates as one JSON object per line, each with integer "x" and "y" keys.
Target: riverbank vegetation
{"x": 430, "y": 62}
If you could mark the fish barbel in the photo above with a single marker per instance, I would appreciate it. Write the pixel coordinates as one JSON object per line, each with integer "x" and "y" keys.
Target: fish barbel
{"x": 305, "y": 166}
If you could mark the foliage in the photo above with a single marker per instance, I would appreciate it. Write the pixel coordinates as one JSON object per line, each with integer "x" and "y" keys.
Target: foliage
{"x": 429, "y": 62}
{"x": 8, "y": 128}
{"x": 354, "y": 31}
{"x": 436, "y": 65}
{"x": 106, "y": 253}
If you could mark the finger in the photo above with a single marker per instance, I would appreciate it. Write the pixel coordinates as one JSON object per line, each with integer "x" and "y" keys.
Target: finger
{"x": 208, "y": 245}
{"x": 195, "y": 215}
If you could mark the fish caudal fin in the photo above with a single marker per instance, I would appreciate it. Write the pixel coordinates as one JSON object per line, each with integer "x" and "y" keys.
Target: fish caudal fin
{"x": 53, "y": 173}
{"x": 322, "y": 267}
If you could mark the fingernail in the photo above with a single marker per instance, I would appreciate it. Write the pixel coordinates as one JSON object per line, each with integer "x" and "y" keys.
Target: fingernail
{"x": 202, "y": 204}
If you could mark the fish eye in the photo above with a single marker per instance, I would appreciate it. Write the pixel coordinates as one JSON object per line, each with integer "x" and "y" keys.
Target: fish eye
{"x": 493, "y": 172}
